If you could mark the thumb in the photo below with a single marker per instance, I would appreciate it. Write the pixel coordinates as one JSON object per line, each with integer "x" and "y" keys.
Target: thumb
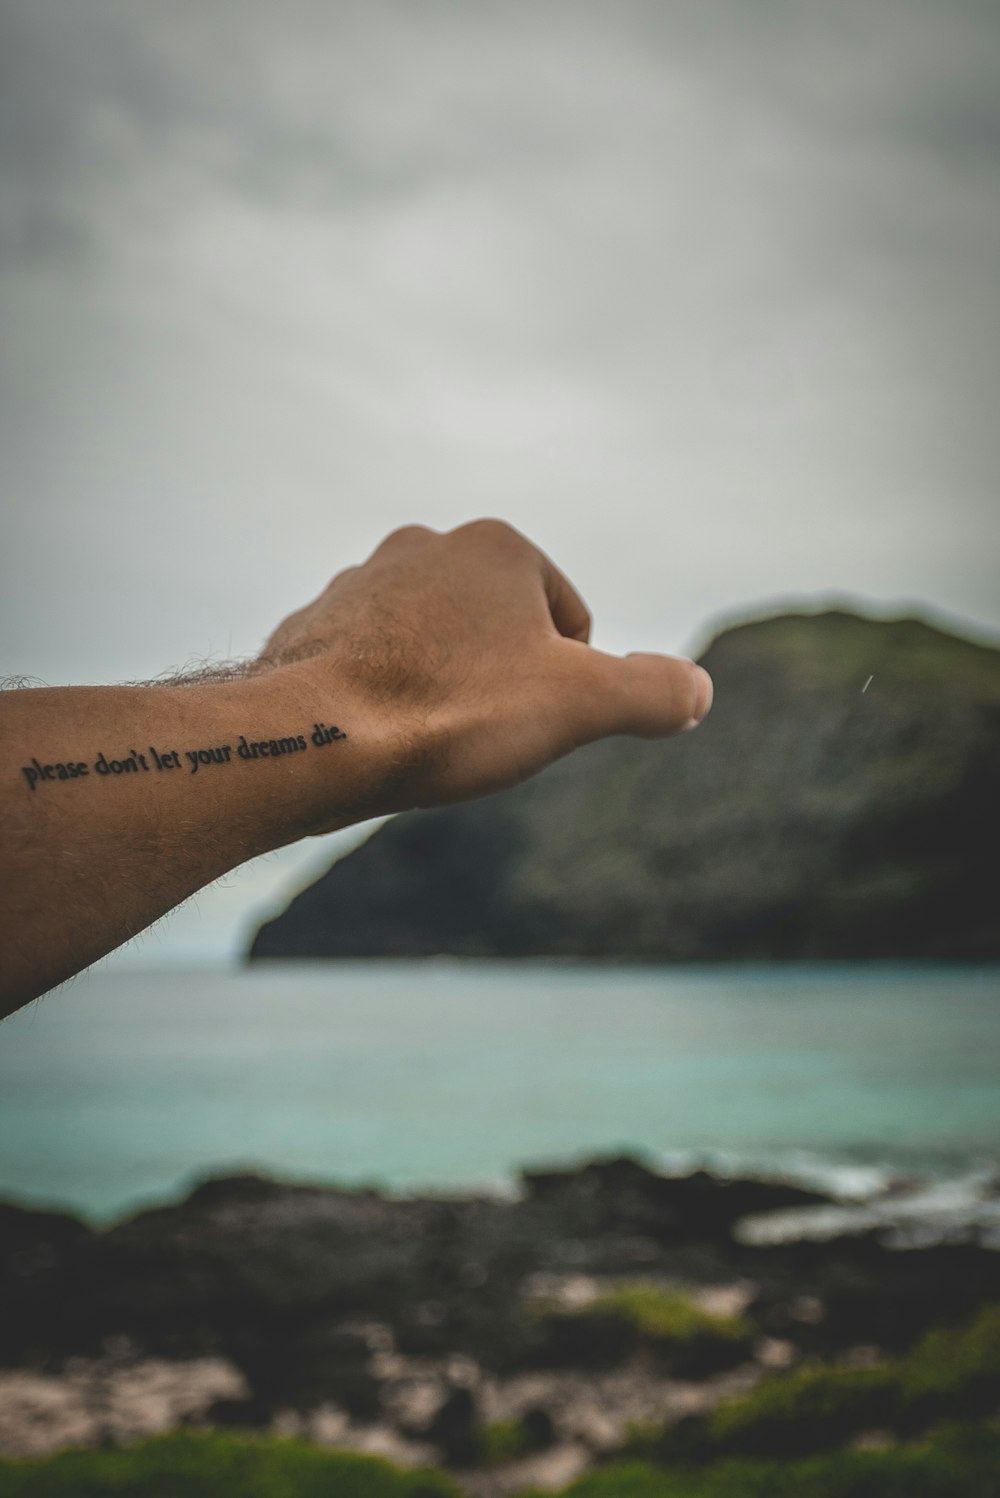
{"x": 651, "y": 696}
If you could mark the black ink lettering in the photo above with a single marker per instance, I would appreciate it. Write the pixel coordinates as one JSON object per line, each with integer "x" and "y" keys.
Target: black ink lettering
{"x": 324, "y": 735}
{"x": 170, "y": 759}
{"x": 70, "y": 770}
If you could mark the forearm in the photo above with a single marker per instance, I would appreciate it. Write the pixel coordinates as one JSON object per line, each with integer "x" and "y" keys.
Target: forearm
{"x": 444, "y": 667}
{"x": 117, "y": 803}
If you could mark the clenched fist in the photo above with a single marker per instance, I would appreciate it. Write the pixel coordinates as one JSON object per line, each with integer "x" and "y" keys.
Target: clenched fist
{"x": 468, "y": 653}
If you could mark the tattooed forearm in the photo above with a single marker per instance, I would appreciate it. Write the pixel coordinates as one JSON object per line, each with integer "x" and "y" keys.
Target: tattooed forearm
{"x": 156, "y": 759}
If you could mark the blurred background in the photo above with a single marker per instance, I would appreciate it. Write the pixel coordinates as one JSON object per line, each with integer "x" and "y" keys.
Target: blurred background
{"x": 703, "y": 298}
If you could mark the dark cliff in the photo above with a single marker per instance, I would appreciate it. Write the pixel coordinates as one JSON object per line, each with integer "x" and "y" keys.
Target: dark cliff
{"x": 806, "y": 818}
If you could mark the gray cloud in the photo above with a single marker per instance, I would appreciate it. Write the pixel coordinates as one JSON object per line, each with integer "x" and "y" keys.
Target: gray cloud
{"x": 702, "y": 297}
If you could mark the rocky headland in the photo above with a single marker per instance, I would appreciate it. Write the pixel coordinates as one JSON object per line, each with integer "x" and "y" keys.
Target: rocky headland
{"x": 841, "y": 800}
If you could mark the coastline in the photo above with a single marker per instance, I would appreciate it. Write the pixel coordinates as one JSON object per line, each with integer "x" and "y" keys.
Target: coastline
{"x": 596, "y": 1297}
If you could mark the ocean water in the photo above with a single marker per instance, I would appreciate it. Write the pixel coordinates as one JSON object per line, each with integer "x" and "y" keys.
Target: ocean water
{"x": 124, "y": 1088}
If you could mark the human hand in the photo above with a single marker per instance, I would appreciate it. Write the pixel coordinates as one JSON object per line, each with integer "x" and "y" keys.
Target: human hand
{"x": 462, "y": 659}
{"x": 451, "y": 665}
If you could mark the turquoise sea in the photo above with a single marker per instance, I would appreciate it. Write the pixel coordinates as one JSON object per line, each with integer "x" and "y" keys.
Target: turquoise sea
{"x": 123, "y": 1088}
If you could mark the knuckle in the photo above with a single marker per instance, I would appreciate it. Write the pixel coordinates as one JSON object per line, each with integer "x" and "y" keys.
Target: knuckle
{"x": 490, "y": 527}
{"x": 343, "y": 575}
{"x": 406, "y": 535}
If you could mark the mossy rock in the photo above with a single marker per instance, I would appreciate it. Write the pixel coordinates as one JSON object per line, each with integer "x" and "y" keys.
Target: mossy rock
{"x": 687, "y": 1341}
{"x": 952, "y": 1373}
{"x": 216, "y": 1465}
{"x": 961, "y": 1462}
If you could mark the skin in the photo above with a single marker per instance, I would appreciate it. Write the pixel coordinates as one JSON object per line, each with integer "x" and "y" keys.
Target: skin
{"x": 455, "y": 663}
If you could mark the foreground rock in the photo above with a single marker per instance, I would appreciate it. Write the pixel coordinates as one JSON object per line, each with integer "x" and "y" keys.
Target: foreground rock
{"x": 116, "y": 1398}
{"x": 497, "y": 1335}
{"x": 806, "y": 818}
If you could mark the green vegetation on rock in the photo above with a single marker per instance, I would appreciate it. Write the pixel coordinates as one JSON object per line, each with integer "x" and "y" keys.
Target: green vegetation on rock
{"x": 956, "y": 1462}
{"x": 961, "y": 1462}
{"x": 805, "y": 1410}
{"x": 217, "y": 1465}
{"x": 659, "y": 1312}
{"x": 775, "y": 1442}
{"x": 950, "y": 1374}
{"x": 632, "y": 1314}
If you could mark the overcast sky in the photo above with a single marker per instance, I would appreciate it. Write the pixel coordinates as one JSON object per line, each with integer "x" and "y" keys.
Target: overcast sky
{"x": 702, "y": 296}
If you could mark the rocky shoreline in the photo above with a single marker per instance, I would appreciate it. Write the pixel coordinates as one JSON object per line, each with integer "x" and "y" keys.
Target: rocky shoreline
{"x": 514, "y": 1340}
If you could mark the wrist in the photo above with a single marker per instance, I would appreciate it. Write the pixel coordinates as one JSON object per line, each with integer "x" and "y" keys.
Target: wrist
{"x": 342, "y": 755}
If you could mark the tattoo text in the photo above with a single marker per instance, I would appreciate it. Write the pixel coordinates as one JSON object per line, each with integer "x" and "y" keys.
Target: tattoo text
{"x": 155, "y": 760}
